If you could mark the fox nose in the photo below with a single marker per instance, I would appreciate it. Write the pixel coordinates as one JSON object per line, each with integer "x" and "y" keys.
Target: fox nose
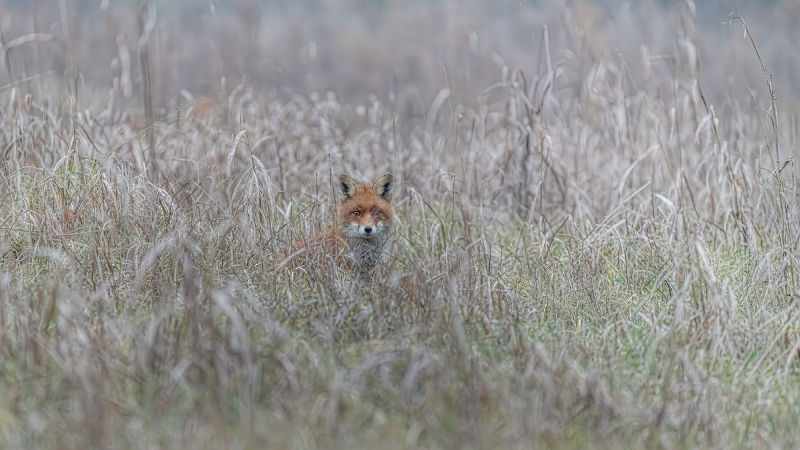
{"x": 368, "y": 230}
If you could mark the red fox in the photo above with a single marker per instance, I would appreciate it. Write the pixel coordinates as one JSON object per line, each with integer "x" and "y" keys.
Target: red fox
{"x": 360, "y": 238}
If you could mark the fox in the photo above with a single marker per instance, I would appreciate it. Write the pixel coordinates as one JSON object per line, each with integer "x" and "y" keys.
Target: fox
{"x": 360, "y": 237}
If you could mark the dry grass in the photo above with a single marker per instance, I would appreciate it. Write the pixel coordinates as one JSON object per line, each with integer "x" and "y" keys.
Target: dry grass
{"x": 597, "y": 244}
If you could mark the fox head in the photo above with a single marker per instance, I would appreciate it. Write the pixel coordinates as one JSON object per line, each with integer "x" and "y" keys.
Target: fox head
{"x": 365, "y": 211}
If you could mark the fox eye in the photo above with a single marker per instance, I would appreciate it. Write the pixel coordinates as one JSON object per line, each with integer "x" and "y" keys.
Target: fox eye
{"x": 376, "y": 213}
{"x": 356, "y": 213}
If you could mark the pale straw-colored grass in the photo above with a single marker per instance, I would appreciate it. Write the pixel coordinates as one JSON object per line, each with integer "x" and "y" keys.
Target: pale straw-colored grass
{"x": 597, "y": 237}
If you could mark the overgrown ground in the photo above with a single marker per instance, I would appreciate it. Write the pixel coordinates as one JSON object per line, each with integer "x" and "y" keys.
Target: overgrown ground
{"x": 596, "y": 248}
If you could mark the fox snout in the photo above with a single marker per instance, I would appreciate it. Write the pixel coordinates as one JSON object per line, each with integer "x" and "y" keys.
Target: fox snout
{"x": 364, "y": 231}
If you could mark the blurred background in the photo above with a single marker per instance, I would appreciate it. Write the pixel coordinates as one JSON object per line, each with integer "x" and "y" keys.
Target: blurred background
{"x": 407, "y": 49}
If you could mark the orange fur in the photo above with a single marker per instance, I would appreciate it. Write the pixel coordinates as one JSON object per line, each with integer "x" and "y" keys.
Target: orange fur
{"x": 360, "y": 237}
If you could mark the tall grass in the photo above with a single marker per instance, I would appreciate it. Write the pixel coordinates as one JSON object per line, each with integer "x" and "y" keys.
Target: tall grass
{"x": 592, "y": 249}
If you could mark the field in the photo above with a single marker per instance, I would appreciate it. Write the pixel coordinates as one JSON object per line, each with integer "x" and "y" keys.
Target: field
{"x": 598, "y": 237}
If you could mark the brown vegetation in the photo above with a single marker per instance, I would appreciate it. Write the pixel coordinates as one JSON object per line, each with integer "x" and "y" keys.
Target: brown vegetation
{"x": 596, "y": 241}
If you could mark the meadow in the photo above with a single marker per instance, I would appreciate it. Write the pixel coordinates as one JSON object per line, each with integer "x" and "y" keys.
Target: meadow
{"x": 597, "y": 241}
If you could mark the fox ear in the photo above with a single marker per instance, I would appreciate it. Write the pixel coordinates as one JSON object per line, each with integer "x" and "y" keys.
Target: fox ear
{"x": 384, "y": 186}
{"x": 347, "y": 185}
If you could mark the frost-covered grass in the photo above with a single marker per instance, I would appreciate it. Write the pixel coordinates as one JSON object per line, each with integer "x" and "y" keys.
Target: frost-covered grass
{"x": 589, "y": 252}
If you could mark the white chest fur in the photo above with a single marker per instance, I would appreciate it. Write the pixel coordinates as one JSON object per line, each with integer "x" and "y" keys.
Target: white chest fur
{"x": 367, "y": 254}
